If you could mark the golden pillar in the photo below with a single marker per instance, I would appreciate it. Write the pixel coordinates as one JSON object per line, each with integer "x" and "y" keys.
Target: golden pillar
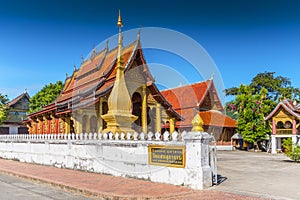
{"x": 158, "y": 118}
{"x": 52, "y": 123}
{"x": 78, "y": 122}
{"x": 88, "y": 125}
{"x": 100, "y": 121}
{"x": 119, "y": 118}
{"x": 61, "y": 124}
{"x": 144, "y": 108}
{"x": 45, "y": 124}
{"x": 172, "y": 125}
{"x": 67, "y": 123}
{"x": 39, "y": 126}
{"x": 78, "y": 126}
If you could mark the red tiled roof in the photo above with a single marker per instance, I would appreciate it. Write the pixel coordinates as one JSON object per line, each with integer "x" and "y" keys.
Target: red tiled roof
{"x": 287, "y": 105}
{"x": 93, "y": 70}
{"x": 209, "y": 117}
{"x": 216, "y": 118}
{"x": 96, "y": 77}
{"x": 193, "y": 96}
{"x": 188, "y": 96}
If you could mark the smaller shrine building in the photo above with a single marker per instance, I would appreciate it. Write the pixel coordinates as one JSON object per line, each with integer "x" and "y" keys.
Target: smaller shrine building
{"x": 285, "y": 123}
{"x": 201, "y": 98}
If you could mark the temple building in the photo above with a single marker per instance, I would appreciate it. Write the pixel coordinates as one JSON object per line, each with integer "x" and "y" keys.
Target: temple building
{"x": 114, "y": 91}
{"x": 111, "y": 87}
{"x": 201, "y": 98}
{"x": 285, "y": 123}
{"x": 18, "y": 108}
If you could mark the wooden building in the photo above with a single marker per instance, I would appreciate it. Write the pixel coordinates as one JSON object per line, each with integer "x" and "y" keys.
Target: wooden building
{"x": 285, "y": 123}
{"x": 18, "y": 108}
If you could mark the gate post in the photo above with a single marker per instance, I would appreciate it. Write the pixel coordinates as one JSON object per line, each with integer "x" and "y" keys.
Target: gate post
{"x": 198, "y": 171}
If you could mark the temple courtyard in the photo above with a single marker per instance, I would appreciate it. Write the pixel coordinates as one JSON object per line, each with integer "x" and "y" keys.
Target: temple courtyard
{"x": 271, "y": 176}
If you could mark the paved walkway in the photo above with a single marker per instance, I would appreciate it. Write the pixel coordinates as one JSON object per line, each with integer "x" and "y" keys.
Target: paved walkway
{"x": 110, "y": 187}
{"x": 271, "y": 176}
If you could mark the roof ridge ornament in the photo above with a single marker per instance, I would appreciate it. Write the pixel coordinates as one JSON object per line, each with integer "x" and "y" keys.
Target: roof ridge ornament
{"x": 197, "y": 123}
{"x": 106, "y": 45}
{"x": 139, "y": 33}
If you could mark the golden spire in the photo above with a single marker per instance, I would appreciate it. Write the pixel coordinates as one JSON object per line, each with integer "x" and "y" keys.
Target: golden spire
{"x": 120, "y": 47}
{"x": 119, "y": 117}
{"x": 120, "y": 23}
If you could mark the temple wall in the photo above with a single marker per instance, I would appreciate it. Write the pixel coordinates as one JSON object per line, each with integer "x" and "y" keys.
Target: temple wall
{"x": 102, "y": 154}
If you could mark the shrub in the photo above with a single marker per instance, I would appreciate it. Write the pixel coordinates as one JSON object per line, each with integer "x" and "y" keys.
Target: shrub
{"x": 291, "y": 150}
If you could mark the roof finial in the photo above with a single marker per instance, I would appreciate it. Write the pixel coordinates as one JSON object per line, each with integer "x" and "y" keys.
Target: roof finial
{"x": 212, "y": 76}
{"x": 74, "y": 67}
{"x": 120, "y": 23}
{"x": 120, "y": 47}
{"x": 197, "y": 123}
{"x": 106, "y": 45}
{"x": 139, "y": 32}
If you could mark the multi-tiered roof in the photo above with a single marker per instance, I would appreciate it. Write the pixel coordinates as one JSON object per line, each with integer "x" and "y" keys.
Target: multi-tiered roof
{"x": 95, "y": 79}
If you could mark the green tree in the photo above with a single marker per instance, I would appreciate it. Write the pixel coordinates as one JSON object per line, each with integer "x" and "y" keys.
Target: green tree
{"x": 45, "y": 96}
{"x": 3, "y": 107}
{"x": 278, "y": 87}
{"x": 250, "y": 110}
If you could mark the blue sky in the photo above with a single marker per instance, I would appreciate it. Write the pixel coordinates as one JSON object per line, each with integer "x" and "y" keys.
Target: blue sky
{"x": 41, "y": 41}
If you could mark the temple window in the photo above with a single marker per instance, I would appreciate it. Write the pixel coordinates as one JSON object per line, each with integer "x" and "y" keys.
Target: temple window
{"x": 288, "y": 125}
{"x": 279, "y": 125}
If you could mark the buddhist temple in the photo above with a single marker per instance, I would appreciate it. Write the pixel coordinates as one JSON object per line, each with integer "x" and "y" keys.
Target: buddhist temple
{"x": 285, "y": 123}
{"x": 18, "y": 108}
{"x": 201, "y": 98}
{"x": 112, "y": 91}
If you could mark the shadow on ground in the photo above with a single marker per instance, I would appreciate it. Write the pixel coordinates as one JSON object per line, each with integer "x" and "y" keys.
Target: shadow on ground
{"x": 220, "y": 179}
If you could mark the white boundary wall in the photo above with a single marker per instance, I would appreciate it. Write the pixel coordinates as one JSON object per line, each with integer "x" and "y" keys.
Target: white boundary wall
{"x": 103, "y": 154}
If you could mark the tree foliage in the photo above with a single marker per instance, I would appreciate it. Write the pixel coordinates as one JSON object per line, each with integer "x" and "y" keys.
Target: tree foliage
{"x": 45, "y": 96}
{"x": 250, "y": 110}
{"x": 278, "y": 87}
{"x": 255, "y": 101}
{"x": 3, "y": 107}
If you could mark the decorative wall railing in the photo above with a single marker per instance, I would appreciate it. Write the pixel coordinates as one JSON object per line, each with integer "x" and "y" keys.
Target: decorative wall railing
{"x": 284, "y": 131}
{"x": 148, "y": 156}
{"x": 166, "y": 136}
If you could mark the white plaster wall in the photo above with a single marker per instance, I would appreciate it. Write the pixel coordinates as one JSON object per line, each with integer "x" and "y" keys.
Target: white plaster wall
{"x": 119, "y": 158}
